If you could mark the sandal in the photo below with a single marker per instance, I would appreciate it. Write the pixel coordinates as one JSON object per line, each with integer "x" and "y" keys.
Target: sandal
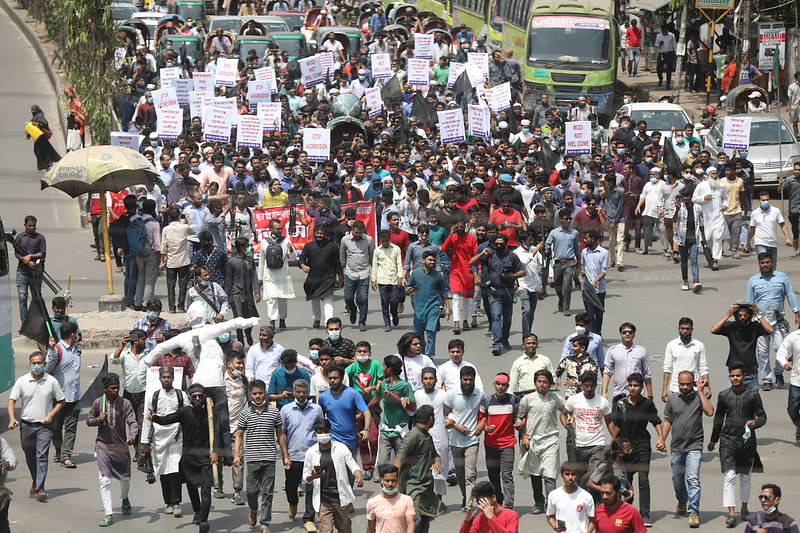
{"x": 97, "y": 257}
{"x": 127, "y": 508}
{"x": 68, "y": 463}
{"x": 107, "y": 521}
{"x": 103, "y": 258}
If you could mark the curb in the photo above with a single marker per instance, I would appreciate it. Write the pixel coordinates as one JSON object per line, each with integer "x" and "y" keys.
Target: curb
{"x": 17, "y": 19}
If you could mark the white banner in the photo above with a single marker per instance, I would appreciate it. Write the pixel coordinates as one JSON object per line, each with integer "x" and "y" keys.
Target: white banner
{"x": 258, "y": 91}
{"x": 381, "y": 66}
{"x": 168, "y": 75}
{"x": 455, "y": 71}
{"x": 250, "y": 132}
{"x": 203, "y": 82}
{"x": 479, "y": 121}
{"x": 451, "y": 126}
{"x": 326, "y": 60}
{"x": 768, "y": 39}
{"x": 227, "y": 68}
{"x": 578, "y": 137}
{"x": 170, "y": 123}
{"x": 481, "y": 59}
{"x": 217, "y": 124}
{"x": 499, "y": 98}
{"x": 311, "y": 70}
{"x": 164, "y": 98}
{"x": 270, "y": 112}
{"x": 267, "y": 74}
{"x": 196, "y": 104}
{"x": 418, "y": 72}
{"x": 182, "y": 89}
{"x": 374, "y": 101}
{"x": 423, "y": 46}
{"x": 736, "y": 133}
{"x": 475, "y": 76}
{"x": 128, "y": 140}
{"x": 317, "y": 143}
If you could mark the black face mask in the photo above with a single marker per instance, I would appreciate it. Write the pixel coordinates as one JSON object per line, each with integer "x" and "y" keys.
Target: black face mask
{"x": 500, "y": 248}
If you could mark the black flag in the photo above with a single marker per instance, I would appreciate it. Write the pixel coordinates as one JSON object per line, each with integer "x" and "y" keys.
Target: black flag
{"x": 95, "y": 390}
{"x": 462, "y": 89}
{"x": 549, "y": 158}
{"x": 424, "y": 111}
{"x": 37, "y": 325}
{"x": 671, "y": 160}
{"x": 392, "y": 92}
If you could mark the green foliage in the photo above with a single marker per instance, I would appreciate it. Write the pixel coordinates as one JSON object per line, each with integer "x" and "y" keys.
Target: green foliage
{"x": 86, "y": 37}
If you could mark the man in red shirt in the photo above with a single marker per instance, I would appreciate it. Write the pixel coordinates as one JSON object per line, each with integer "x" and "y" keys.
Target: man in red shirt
{"x": 634, "y": 35}
{"x": 589, "y": 218}
{"x": 494, "y": 518}
{"x": 398, "y": 237}
{"x": 614, "y": 515}
{"x": 496, "y": 420}
{"x": 508, "y": 220}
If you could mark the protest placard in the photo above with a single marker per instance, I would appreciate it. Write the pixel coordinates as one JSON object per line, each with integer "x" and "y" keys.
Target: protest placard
{"x": 499, "y": 98}
{"x": 736, "y": 133}
{"x": 455, "y": 71}
{"x": 418, "y": 72}
{"x": 423, "y": 46}
{"x": 128, "y": 140}
{"x": 164, "y": 98}
{"x": 271, "y": 115}
{"x": 578, "y": 137}
{"x": 474, "y": 74}
{"x": 479, "y": 117}
{"x": 267, "y": 74}
{"x": 196, "y": 104}
{"x": 481, "y": 59}
{"x": 374, "y": 101}
{"x": 203, "y": 82}
{"x": 258, "y": 91}
{"x": 170, "y": 123}
{"x": 182, "y": 89}
{"x": 311, "y": 70}
{"x": 168, "y": 75}
{"x": 326, "y": 60}
{"x": 381, "y": 66}
{"x": 217, "y": 124}
{"x": 226, "y": 71}
{"x": 451, "y": 126}
{"x": 250, "y": 132}
{"x": 317, "y": 143}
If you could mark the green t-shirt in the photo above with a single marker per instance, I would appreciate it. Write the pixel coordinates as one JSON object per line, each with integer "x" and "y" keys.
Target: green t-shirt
{"x": 719, "y": 61}
{"x": 363, "y": 376}
{"x": 440, "y": 74}
{"x": 394, "y": 415}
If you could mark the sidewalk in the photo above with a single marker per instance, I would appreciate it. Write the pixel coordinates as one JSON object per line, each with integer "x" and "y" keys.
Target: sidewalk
{"x": 645, "y": 87}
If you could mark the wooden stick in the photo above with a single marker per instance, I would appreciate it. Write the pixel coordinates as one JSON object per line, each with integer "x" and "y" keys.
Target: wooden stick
{"x": 210, "y": 409}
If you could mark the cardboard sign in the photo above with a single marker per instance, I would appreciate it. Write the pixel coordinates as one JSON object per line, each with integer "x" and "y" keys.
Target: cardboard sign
{"x": 203, "y": 82}
{"x": 170, "y": 123}
{"x": 451, "y": 126}
{"x": 152, "y": 383}
{"x": 481, "y": 59}
{"x": 736, "y": 133}
{"x": 423, "y": 46}
{"x": 258, "y": 91}
{"x": 475, "y": 76}
{"x": 166, "y": 97}
{"x": 168, "y": 75}
{"x": 250, "y": 132}
{"x": 374, "y": 101}
{"x": 479, "y": 117}
{"x": 381, "y": 66}
{"x": 455, "y": 71}
{"x": 311, "y": 70}
{"x": 196, "y": 104}
{"x": 128, "y": 140}
{"x": 267, "y": 74}
{"x": 270, "y": 113}
{"x": 499, "y": 98}
{"x": 768, "y": 39}
{"x": 578, "y": 137}
{"x": 326, "y": 60}
{"x": 217, "y": 122}
{"x": 182, "y": 89}
{"x": 418, "y": 72}
{"x": 227, "y": 68}
{"x": 317, "y": 143}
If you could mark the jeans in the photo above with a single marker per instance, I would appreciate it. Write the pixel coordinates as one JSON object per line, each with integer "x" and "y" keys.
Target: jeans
{"x": 529, "y": 301}
{"x": 502, "y": 306}
{"x": 35, "y": 440}
{"x": 181, "y": 276}
{"x": 562, "y": 274}
{"x": 24, "y": 282}
{"x": 390, "y": 298}
{"x": 387, "y": 445}
{"x": 428, "y": 343}
{"x": 137, "y": 402}
{"x": 422, "y": 524}
{"x": 772, "y": 250}
{"x": 794, "y": 405}
{"x": 689, "y": 254}
{"x": 633, "y": 59}
{"x": 779, "y": 331}
{"x": 98, "y": 235}
{"x": 356, "y": 293}
{"x": 148, "y": 274}
{"x": 595, "y": 313}
{"x": 131, "y": 278}
{"x": 500, "y": 467}
{"x": 686, "y": 471}
{"x": 65, "y": 428}
{"x": 665, "y": 65}
{"x": 734, "y": 223}
{"x": 294, "y": 476}
{"x": 466, "y": 462}
{"x": 261, "y": 481}
{"x": 751, "y": 381}
{"x": 691, "y": 76}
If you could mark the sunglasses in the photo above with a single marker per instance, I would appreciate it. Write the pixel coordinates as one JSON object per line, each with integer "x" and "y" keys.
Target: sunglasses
{"x": 626, "y": 332}
{"x": 201, "y": 396}
{"x": 763, "y": 497}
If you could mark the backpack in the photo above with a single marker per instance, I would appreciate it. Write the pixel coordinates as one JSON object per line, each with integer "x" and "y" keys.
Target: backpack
{"x": 154, "y": 402}
{"x": 138, "y": 241}
{"x": 273, "y": 255}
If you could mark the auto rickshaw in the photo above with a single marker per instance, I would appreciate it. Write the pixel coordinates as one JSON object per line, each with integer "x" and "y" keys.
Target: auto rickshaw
{"x": 189, "y": 46}
{"x": 446, "y": 37}
{"x": 460, "y": 33}
{"x": 434, "y": 23}
{"x": 736, "y": 102}
{"x": 351, "y": 38}
{"x": 136, "y": 31}
{"x": 229, "y": 34}
{"x": 400, "y": 32}
{"x": 402, "y": 10}
{"x": 252, "y": 25}
{"x": 187, "y": 8}
{"x": 291, "y": 42}
{"x": 168, "y": 25}
{"x": 346, "y": 109}
{"x": 261, "y": 45}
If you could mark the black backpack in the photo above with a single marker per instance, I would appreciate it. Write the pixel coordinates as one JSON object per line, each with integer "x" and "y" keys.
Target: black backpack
{"x": 273, "y": 255}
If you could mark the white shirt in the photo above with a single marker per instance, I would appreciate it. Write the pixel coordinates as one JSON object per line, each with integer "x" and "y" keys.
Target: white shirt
{"x": 449, "y": 375}
{"x": 342, "y": 461}
{"x": 260, "y": 363}
{"x": 532, "y": 280}
{"x": 766, "y": 224}
{"x": 653, "y": 195}
{"x": 574, "y": 509}
{"x": 414, "y": 365}
{"x": 785, "y": 354}
{"x": 589, "y": 416}
{"x": 679, "y": 357}
{"x": 665, "y": 43}
{"x": 36, "y": 398}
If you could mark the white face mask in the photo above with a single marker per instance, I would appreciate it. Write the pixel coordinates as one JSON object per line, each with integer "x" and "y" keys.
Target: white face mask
{"x": 324, "y": 438}
{"x": 362, "y": 358}
{"x": 580, "y": 330}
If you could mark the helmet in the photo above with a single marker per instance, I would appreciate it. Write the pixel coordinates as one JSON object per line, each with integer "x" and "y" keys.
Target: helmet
{"x": 710, "y": 110}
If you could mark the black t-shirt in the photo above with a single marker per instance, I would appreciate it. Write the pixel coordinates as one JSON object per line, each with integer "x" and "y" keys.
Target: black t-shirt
{"x": 690, "y": 237}
{"x": 742, "y": 344}
{"x": 329, "y": 492}
{"x": 446, "y": 220}
{"x": 633, "y": 419}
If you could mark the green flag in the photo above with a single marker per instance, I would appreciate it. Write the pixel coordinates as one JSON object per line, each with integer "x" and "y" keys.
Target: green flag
{"x": 776, "y": 73}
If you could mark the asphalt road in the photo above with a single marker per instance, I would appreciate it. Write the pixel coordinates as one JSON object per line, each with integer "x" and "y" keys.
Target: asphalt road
{"x": 647, "y": 294}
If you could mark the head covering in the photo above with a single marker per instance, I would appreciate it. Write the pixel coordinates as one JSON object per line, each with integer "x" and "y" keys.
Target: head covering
{"x": 503, "y": 125}
{"x": 165, "y": 369}
{"x": 754, "y": 94}
{"x": 525, "y": 122}
{"x": 454, "y": 183}
{"x": 506, "y": 178}
{"x": 154, "y": 135}
{"x": 501, "y": 378}
{"x": 516, "y": 104}
{"x": 196, "y": 387}
{"x": 151, "y": 87}
{"x": 110, "y": 379}
{"x": 76, "y": 108}
{"x": 428, "y": 370}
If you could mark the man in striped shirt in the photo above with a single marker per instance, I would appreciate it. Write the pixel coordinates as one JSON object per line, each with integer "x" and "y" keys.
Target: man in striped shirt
{"x": 496, "y": 420}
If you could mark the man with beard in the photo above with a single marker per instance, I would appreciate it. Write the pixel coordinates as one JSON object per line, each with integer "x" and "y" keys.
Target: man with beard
{"x": 263, "y": 358}
{"x": 355, "y": 256}
{"x": 711, "y": 196}
{"x": 35, "y": 247}
{"x": 461, "y": 407}
{"x": 743, "y": 334}
{"x": 433, "y": 395}
{"x": 320, "y": 260}
{"x": 615, "y": 515}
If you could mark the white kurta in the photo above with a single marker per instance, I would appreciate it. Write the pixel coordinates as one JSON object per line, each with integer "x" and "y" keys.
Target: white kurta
{"x": 713, "y": 219}
{"x": 438, "y": 433}
{"x": 276, "y": 283}
{"x": 166, "y": 440}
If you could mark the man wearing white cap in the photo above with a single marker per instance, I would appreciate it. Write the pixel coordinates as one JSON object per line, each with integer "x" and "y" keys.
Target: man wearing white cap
{"x": 359, "y": 85}
{"x": 755, "y": 104}
{"x": 524, "y": 135}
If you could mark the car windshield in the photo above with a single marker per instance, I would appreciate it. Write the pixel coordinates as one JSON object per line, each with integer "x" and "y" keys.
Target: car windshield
{"x": 259, "y": 47}
{"x": 559, "y": 40}
{"x": 193, "y": 11}
{"x": 292, "y": 46}
{"x": 661, "y": 120}
{"x": 766, "y": 133}
{"x": 122, "y": 12}
{"x": 276, "y": 26}
{"x": 225, "y": 24}
{"x": 292, "y": 20}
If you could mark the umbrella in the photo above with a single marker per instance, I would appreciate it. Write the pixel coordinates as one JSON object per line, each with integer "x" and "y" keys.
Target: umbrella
{"x": 590, "y": 294}
{"x": 101, "y": 169}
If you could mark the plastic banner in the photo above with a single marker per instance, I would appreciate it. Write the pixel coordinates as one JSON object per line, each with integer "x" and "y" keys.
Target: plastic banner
{"x": 451, "y": 126}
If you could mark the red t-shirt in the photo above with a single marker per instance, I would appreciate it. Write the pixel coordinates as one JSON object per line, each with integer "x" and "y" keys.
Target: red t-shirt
{"x": 634, "y": 36}
{"x": 624, "y": 520}
{"x": 583, "y": 222}
{"x": 466, "y": 205}
{"x": 401, "y": 240}
{"x": 506, "y": 521}
{"x": 489, "y": 184}
{"x": 499, "y": 413}
{"x": 498, "y": 217}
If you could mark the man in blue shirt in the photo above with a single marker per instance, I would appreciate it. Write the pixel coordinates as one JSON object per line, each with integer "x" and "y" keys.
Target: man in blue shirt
{"x": 281, "y": 384}
{"x": 341, "y": 404}
{"x": 768, "y": 290}
{"x": 566, "y": 252}
{"x": 594, "y": 266}
{"x": 595, "y": 348}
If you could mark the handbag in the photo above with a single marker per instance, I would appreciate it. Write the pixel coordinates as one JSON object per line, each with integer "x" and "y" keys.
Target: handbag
{"x": 73, "y": 140}
{"x": 47, "y": 133}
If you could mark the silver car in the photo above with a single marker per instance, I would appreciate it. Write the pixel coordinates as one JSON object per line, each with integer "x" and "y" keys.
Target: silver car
{"x": 771, "y": 160}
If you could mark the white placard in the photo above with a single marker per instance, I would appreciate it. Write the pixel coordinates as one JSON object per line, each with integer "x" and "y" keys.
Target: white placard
{"x": 578, "y": 137}
{"x": 479, "y": 117}
{"x": 481, "y": 59}
{"x": 119, "y": 57}
{"x": 196, "y": 104}
{"x": 168, "y": 75}
{"x": 182, "y": 89}
{"x": 166, "y": 97}
{"x": 451, "y": 126}
{"x": 311, "y": 70}
{"x": 250, "y": 132}
{"x": 423, "y": 46}
{"x": 317, "y": 143}
{"x": 326, "y": 60}
{"x": 768, "y": 39}
{"x": 736, "y": 133}
{"x": 474, "y": 74}
{"x": 258, "y": 91}
{"x": 170, "y": 123}
{"x": 152, "y": 383}
{"x": 499, "y": 98}
{"x": 381, "y": 66}
{"x": 455, "y": 71}
{"x": 270, "y": 112}
{"x": 418, "y": 72}
{"x": 128, "y": 140}
{"x": 217, "y": 123}
{"x": 267, "y": 74}
{"x": 374, "y": 101}
{"x": 203, "y": 82}
{"x": 227, "y": 68}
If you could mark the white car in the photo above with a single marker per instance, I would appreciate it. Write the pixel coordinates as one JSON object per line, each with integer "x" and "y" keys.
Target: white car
{"x": 659, "y": 116}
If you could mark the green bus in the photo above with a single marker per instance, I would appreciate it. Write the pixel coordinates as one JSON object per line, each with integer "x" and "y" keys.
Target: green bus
{"x": 470, "y": 13}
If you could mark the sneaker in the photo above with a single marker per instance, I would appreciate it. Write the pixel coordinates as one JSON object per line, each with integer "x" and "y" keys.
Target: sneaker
{"x": 362, "y": 327}
{"x": 715, "y": 265}
{"x": 766, "y": 386}
{"x": 401, "y": 307}
{"x": 292, "y": 511}
{"x": 316, "y": 324}
{"x": 387, "y": 328}
{"x": 685, "y": 286}
{"x": 620, "y": 268}
{"x": 282, "y": 324}
{"x": 697, "y": 287}
{"x": 177, "y": 511}
{"x": 352, "y": 311}
{"x": 779, "y": 381}
{"x": 730, "y": 522}
{"x": 218, "y": 494}
{"x": 744, "y": 515}
{"x": 495, "y": 351}
{"x": 367, "y": 475}
{"x": 237, "y": 499}
{"x": 647, "y": 522}
{"x": 680, "y": 510}
{"x": 310, "y": 527}
{"x": 694, "y": 521}
{"x": 538, "y": 508}
{"x": 168, "y": 509}
{"x": 205, "y": 527}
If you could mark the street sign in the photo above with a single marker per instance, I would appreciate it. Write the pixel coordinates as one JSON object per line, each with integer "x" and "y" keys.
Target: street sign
{"x": 714, "y": 4}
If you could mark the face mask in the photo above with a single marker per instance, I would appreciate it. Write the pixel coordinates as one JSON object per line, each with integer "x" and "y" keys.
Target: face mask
{"x": 653, "y": 180}
{"x": 37, "y": 370}
{"x": 334, "y": 335}
{"x": 301, "y": 403}
{"x": 526, "y": 130}
{"x": 194, "y": 169}
{"x": 389, "y": 492}
{"x": 323, "y": 438}
{"x": 258, "y": 404}
{"x": 236, "y": 373}
{"x": 500, "y": 248}
{"x": 765, "y": 204}
{"x": 695, "y": 152}
{"x": 625, "y": 101}
{"x": 225, "y": 337}
{"x": 698, "y": 171}
{"x": 648, "y": 159}
{"x": 313, "y": 354}
{"x": 149, "y": 100}
{"x": 743, "y": 155}
{"x": 152, "y": 315}
{"x": 59, "y": 316}
{"x": 623, "y": 126}
{"x": 621, "y": 151}
{"x": 565, "y": 182}
{"x": 290, "y": 372}
{"x": 679, "y": 142}
{"x": 362, "y": 358}
{"x": 361, "y": 78}
{"x": 580, "y": 330}
{"x": 249, "y": 251}
{"x": 154, "y": 143}
{"x": 767, "y": 512}
{"x": 204, "y": 283}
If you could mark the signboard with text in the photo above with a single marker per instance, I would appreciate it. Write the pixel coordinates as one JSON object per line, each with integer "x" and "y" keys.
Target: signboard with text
{"x": 736, "y": 133}
{"x": 451, "y": 126}
{"x": 578, "y": 137}
{"x": 317, "y": 143}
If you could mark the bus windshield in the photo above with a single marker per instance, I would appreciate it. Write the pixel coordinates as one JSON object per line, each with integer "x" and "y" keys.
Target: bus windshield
{"x": 559, "y": 40}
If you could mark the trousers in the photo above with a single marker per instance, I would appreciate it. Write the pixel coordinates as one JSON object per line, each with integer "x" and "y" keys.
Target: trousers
{"x": 595, "y": 313}
{"x": 734, "y": 223}
{"x": 689, "y": 255}
{"x": 25, "y": 282}
{"x": 261, "y": 482}
{"x": 729, "y": 488}
{"x": 148, "y": 274}
{"x": 65, "y": 428}
{"x": 327, "y": 308}
{"x": 529, "y": 300}
{"x": 137, "y": 402}
{"x": 170, "y": 488}
{"x": 465, "y": 460}
{"x": 500, "y": 467}
{"x": 779, "y": 332}
{"x": 105, "y": 492}
{"x": 793, "y": 406}
{"x": 501, "y": 304}
{"x": 356, "y": 294}
{"x": 665, "y": 65}
{"x": 277, "y": 308}
{"x": 616, "y": 242}
{"x": 294, "y": 476}
{"x": 334, "y": 515}
{"x": 686, "y": 471}
{"x": 131, "y": 278}
{"x": 390, "y": 298}
{"x": 180, "y": 276}
{"x": 201, "y": 501}
{"x": 461, "y": 307}
{"x": 562, "y": 274}
{"x": 539, "y": 497}
{"x": 35, "y": 439}
{"x": 388, "y": 447}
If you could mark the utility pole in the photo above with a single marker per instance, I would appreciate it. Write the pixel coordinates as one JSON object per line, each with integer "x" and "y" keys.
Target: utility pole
{"x": 680, "y": 52}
